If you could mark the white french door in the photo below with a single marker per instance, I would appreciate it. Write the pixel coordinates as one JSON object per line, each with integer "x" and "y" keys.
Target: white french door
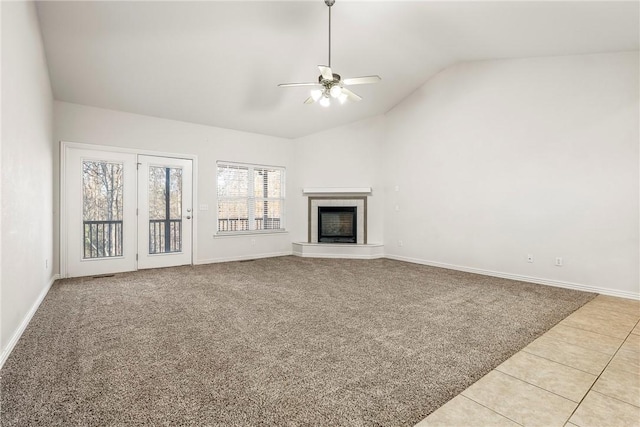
{"x": 165, "y": 212}
{"x": 100, "y": 194}
{"x": 124, "y": 211}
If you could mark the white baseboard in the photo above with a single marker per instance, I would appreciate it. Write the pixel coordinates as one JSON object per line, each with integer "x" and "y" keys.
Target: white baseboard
{"x": 539, "y": 281}
{"x": 25, "y": 322}
{"x": 344, "y": 256}
{"x": 241, "y": 258}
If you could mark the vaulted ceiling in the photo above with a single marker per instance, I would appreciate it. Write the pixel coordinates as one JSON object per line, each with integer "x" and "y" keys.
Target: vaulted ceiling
{"x": 219, "y": 63}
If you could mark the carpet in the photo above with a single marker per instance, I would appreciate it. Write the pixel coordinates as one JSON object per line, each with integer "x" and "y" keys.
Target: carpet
{"x": 279, "y": 341}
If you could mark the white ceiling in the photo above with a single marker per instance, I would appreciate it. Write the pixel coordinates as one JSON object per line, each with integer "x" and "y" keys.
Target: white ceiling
{"x": 219, "y": 63}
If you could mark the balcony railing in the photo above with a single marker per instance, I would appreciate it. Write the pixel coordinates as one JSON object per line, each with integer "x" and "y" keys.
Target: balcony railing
{"x": 165, "y": 236}
{"x": 242, "y": 224}
{"x": 102, "y": 239}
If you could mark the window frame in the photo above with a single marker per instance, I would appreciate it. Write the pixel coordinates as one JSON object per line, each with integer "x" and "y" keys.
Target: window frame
{"x": 251, "y": 199}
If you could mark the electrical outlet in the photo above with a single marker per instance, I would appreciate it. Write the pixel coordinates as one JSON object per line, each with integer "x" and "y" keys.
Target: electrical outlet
{"x": 558, "y": 261}
{"x": 397, "y": 208}
{"x": 530, "y": 258}
{"x": 46, "y": 263}
{"x": 400, "y": 243}
{"x": 253, "y": 242}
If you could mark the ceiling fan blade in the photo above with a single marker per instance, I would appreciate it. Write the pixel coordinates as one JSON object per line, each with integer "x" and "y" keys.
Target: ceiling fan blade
{"x": 326, "y": 72}
{"x": 309, "y": 100}
{"x": 364, "y": 80}
{"x": 298, "y": 84}
{"x": 352, "y": 96}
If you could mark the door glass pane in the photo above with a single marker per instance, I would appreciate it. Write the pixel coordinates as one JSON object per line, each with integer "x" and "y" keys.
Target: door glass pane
{"x": 165, "y": 209}
{"x": 102, "y": 209}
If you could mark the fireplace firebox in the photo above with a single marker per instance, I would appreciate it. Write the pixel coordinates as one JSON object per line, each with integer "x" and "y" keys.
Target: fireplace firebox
{"x": 337, "y": 224}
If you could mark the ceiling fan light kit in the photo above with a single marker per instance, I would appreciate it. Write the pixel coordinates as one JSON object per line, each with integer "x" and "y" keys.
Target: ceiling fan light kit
{"x": 330, "y": 85}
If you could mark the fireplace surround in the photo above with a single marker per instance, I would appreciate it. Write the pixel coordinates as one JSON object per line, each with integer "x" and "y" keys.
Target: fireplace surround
{"x": 357, "y": 204}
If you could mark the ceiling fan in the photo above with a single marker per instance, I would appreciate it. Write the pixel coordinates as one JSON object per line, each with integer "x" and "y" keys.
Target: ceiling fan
{"x": 331, "y": 85}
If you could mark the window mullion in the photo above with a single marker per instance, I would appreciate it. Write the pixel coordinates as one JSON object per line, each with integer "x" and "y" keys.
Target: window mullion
{"x": 251, "y": 202}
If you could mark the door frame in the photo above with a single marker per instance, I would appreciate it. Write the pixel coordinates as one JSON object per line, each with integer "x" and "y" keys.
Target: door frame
{"x": 62, "y": 220}
{"x": 145, "y": 259}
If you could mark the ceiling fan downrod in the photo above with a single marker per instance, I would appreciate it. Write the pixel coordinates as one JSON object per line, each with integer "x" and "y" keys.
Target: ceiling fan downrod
{"x": 329, "y": 3}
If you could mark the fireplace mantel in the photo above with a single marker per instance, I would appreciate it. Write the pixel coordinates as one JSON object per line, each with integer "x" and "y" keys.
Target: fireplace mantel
{"x": 336, "y": 190}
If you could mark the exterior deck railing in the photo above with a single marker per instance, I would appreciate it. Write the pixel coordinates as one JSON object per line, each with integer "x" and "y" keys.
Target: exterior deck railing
{"x": 242, "y": 224}
{"x": 102, "y": 239}
{"x": 165, "y": 236}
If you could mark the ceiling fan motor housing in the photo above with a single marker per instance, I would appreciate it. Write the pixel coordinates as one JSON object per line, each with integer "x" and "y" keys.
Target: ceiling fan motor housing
{"x": 326, "y": 82}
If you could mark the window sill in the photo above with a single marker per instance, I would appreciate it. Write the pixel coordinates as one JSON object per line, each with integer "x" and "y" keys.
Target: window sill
{"x": 226, "y": 234}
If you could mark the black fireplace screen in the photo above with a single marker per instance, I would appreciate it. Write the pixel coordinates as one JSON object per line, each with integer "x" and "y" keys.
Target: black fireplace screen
{"x": 337, "y": 224}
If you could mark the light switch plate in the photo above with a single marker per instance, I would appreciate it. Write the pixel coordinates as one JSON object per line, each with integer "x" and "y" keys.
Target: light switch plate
{"x": 204, "y": 207}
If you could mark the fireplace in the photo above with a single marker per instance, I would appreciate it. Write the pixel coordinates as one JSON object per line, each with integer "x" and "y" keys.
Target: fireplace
{"x": 337, "y": 224}
{"x": 340, "y": 202}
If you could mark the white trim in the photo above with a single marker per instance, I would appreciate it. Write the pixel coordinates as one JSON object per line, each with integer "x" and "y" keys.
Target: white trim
{"x": 25, "y": 322}
{"x": 236, "y": 234}
{"x": 242, "y": 258}
{"x": 336, "y": 190}
{"x": 64, "y": 145}
{"x": 338, "y": 250}
{"x": 195, "y": 204}
{"x": 62, "y": 219}
{"x": 85, "y": 146}
{"x": 529, "y": 279}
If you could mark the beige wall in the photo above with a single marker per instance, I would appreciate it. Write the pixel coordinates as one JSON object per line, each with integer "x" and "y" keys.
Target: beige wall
{"x": 27, "y": 177}
{"x": 495, "y": 160}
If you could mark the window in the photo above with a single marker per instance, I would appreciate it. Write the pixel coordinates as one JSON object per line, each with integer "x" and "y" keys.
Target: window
{"x": 250, "y": 198}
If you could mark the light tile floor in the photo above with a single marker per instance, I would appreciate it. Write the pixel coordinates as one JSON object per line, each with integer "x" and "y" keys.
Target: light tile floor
{"x": 583, "y": 372}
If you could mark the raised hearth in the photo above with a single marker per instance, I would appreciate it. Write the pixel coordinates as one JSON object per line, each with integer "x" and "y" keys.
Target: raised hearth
{"x": 337, "y": 250}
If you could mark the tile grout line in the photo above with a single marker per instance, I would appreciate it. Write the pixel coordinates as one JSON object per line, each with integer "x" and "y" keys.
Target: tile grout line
{"x": 588, "y": 330}
{"x": 492, "y": 410}
{"x": 537, "y": 386}
{"x": 615, "y": 398}
{"x": 598, "y": 377}
{"x": 562, "y": 364}
{"x": 578, "y": 345}
{"x": 606, "y": 306}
